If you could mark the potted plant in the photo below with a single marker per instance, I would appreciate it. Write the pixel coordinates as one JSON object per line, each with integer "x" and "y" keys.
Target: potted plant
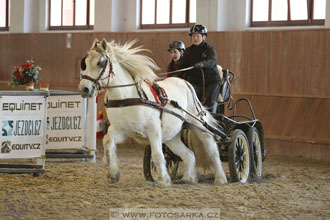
{"x": 27, "y": 74}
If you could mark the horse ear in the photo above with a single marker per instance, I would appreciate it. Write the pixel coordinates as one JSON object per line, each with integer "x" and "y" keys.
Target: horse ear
{"x": 104, "y": 44}
{"x": 95, "y": 43}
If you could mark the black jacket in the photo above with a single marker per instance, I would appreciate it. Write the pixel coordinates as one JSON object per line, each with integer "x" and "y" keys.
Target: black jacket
{"x": 206, "y": 54}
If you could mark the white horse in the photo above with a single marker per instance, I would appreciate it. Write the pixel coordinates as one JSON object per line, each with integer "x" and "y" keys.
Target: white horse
{"x": 125, "y": 74}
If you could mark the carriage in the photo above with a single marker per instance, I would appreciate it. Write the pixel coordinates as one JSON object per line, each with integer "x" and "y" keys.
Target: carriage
{"x": 244, "y": 151}
{"x": 154, "y": 112}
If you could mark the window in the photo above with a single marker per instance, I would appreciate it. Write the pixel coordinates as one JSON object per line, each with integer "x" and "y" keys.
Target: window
{"x": 167, "y": 13}
{"x": 287, "y": 12}
{"x": 4, "y": 15}
{"x": 71, "y": 14}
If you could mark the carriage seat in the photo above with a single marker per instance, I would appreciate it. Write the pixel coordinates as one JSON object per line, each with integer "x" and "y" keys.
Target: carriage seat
{"x": 224, "y": 94}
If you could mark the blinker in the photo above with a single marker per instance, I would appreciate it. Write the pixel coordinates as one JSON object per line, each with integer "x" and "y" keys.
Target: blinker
{"x": 102, "y": 63}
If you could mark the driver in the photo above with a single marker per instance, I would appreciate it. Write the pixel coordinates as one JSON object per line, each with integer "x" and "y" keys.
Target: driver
{"x": 202, "y": 56}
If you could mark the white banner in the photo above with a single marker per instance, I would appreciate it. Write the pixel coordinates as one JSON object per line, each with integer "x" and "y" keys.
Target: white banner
{"x": 65, "y": 122}
{"x": 22, "y": 120}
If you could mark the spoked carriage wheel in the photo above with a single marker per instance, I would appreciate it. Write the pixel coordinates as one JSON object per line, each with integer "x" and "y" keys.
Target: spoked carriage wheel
{"x": 239, "y": 157}
{"x": 149, "y": 168}
{"x": 256, "y": 146}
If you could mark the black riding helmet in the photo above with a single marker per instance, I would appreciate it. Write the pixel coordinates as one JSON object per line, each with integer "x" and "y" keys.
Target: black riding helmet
{"x": 177, "y": 44}
{"x": 198, "y": 29}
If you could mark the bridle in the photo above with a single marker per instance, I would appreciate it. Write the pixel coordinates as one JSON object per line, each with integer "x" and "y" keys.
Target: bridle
{"x": 103, "y": 63}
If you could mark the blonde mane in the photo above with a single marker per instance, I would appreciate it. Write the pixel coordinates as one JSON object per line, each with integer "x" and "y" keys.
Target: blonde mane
{"x": 138, "y": 65}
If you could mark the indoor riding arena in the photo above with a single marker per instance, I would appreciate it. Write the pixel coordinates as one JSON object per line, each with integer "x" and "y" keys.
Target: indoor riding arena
{"x": 105, "y": 134}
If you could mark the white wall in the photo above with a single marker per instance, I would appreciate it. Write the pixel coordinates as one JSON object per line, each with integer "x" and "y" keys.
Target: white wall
{"x": 16, "y": 16}
{"x": 116, "y": 15}
{"x": 27, "y": 16}
{"x": 103, "y": 9}
{"x": 327, "y": 15}
{"x": 208, "y": 13}
{"x": 223, "y": 15}
{"x": 123, "y": 16}
{"x": 43, "y": 15}
{"x": 31, "y": 16}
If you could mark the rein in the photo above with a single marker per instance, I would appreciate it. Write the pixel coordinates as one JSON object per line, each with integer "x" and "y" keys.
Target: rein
{"x": 185, "y": 69}
{"x": 118, "y": 86}
{"x": 175, "y": 71}
{"x": 99, "y": 87}
{"x": 140, "y": 101}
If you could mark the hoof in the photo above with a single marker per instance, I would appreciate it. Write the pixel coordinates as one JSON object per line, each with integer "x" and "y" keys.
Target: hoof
{"x": 165, "y": 182}
{"x": 112, "y": 179}
{"x": 189, "y": 180}
{"x": 220, "y": 181}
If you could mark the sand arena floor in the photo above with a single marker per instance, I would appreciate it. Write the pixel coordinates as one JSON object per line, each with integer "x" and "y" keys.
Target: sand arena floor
{"x": 290, "y": 189}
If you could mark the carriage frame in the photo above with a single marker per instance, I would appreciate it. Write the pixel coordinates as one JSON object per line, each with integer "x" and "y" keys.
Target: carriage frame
{"x": 244, "y": 149}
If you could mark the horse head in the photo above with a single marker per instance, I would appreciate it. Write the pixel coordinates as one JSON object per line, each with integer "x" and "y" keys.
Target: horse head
{"x": 131, "y": 67}
{"x": 98, "y": 69}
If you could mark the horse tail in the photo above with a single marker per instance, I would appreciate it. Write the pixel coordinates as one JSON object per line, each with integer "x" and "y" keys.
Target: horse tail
{"x": 193, "y": 142}
{"x": 201, "y": 110}
{"x": 195, "y": 145}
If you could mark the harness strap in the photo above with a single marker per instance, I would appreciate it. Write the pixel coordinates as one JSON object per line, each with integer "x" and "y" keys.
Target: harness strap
{"x": 152, "y": 104}
{"x": 89, "y": 78}
{"x": 158, "y": 93}
{"x": 154, "y": 93}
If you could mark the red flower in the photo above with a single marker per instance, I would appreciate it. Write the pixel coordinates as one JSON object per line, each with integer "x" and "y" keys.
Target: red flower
{"x": 18, "y": 76}
{"x": 26, "y": 66}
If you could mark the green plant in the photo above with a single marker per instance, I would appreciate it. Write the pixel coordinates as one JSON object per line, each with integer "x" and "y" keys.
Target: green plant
{"x": 28, "y": 72}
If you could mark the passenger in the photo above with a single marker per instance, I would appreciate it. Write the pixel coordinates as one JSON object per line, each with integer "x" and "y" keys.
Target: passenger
{"x": 202, "y": 56}
{"x": 176, "y": 49}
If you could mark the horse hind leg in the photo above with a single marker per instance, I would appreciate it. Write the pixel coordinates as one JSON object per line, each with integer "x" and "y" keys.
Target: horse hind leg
{"x": 187, "y": 156}
{"x": 211, "y": 149}
{"x": 110, "y": 141}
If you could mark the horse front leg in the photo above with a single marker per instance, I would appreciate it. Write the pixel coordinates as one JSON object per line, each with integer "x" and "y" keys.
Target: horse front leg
{"x": 110, "y": 141}
{"x": 158, "y": 157}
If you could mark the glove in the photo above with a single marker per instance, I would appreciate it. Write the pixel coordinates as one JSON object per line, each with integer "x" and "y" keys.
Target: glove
{"x": 198, "y": 65}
